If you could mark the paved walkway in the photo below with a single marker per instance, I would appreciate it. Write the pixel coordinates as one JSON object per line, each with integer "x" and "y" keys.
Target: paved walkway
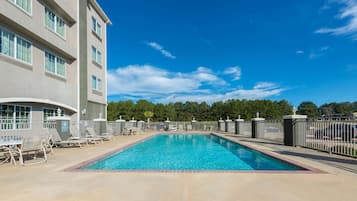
{"x": 342, "y": 162}
{"x": 48, "y": 181}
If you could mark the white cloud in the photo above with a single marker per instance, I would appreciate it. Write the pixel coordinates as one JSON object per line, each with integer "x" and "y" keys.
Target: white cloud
{"x": 300, "y": 52}
{"x": 257, "y": 92}
{"x": 324, "y": 48}
{"x": 349, "y": 11}
{"x": 160, "y": 85}
{"x": 316, "y": 53}
{"x": 161, "y": 49}
{"x": 235, "y": 71}
{"x": 265, "y": 85}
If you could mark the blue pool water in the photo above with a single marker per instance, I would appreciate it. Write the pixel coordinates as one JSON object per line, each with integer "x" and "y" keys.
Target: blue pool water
{"x": 189, "y": 152}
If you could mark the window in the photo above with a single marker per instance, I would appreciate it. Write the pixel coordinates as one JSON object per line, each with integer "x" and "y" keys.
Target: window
{"x": 55, "y": 64}
{"x": 14, "y": 46}
{"x": 96, "y": 55}
{"x": 96, "y": 83}
{"x": 25, "y": 5}
{"x": 96, "y": 27}
{"x": 54, "y": 22}
{"x": 50, "y": 113}
{"x": 15, "y": 117}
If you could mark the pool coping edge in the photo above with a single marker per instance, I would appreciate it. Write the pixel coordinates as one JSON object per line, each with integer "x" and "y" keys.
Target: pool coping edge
{"x": 307, "y": 169}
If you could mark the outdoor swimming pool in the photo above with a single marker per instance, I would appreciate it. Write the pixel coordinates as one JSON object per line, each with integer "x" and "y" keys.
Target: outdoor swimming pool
{"x": 185, "y": 152}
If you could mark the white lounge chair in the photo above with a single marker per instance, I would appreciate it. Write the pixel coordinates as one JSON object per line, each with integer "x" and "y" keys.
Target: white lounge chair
{"x": 92, "y": 134}
{"x": 58, "y": 141}
{"x": 32, "y": 147}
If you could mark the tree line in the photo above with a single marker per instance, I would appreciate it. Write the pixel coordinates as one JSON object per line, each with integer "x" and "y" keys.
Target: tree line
{"x": 247, "y": 109}
{"x": 179, "y": 111}
{"x": 329, "y": 109}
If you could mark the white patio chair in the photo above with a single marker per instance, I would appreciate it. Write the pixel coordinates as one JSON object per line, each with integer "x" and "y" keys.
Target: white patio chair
{"x": 32, "y": 147}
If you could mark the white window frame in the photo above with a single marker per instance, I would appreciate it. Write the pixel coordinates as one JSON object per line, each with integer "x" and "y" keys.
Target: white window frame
{"x": 45, "y": 122}
{"x": 15, "y": 46}
{"x": 56, "y": 57}
{"x": 54, "y": 30}
{"x": 96, "y": 83}
{"x": 14, "y": 2}
{"x": 96, "y": 60}
{"x": 14, "y": 124}
{"x": 98, "y": 32}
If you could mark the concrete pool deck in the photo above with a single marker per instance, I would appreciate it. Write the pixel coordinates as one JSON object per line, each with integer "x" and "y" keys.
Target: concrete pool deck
{"x": 49, "y": 181}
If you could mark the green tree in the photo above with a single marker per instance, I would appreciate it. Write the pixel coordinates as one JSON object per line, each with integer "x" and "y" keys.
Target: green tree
{"x": 141, "y": 107}
{"x": 148, "y": 115}
{"x": 308, "y": 108}
{"x": 112, "y": 111}
{"x": 344, "y": 108}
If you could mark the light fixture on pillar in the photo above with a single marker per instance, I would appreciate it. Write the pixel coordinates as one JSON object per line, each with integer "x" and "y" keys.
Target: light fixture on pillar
{"x": 59, "y": 111}
{"x": 294, "y": 110}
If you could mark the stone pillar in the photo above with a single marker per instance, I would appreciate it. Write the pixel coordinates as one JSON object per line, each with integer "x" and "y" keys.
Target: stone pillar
{"x": 141, "y": 125}
{"x": 257, "y": 127}
{"x": 133, "y": 123}
{"x": 100, "y": 126}
{"x": 237, "y": 125}
{"x": 62, "y": 126}
{"x": 294, "y": 125}
{"x": 167, "y": 124}
{"x": 194, "y": 124}
{"x": 228, "y": 123}
{"x": 120, "y": 125}
{"x": 221, "y": 125}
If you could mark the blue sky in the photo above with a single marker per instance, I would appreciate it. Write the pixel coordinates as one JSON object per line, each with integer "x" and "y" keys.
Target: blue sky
{"x": 196, "y": 50}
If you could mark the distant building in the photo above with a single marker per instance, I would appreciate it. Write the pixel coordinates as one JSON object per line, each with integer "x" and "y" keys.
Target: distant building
{"x": 52, "y": 55}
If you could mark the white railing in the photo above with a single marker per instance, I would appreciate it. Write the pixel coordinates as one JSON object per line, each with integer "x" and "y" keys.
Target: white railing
{"x": 17, "y": 124}
{"x": 273, "y": 130}
{"x": 245, "y": 128}
{"x": 339, "y": 137}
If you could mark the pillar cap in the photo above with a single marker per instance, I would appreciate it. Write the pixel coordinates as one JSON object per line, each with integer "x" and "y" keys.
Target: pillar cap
{"x": 240, "y": 120}
{"x": 296, "y": 116}
{"x": 99, "y": 119}
{"x": 258, "y": 119}
{"x": 120, "y": 120}
{"x": 220, "y": 120}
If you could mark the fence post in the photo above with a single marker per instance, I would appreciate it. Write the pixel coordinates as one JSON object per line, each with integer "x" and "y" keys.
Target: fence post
{"x": 257, "y": 127}
{"x": 133, "y": 122}
{"x": 227, "y": 124}
{"x": 237, "y": 125}
{"x": 100, "y": 126}
{"x": 62, "y": 126}
{"x": 221, "y": 125}
{"x": 167, "y": 124}
{"x": 194, "y": 124}
{"x": 292, "y": 125}
{"x": 120, "y": 125}
{"x": 141, "y": 124}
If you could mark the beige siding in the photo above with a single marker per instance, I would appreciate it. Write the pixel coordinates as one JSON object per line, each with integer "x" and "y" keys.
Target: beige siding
{"x": 94, "y": 69}
{"x": 32, "y": 80}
